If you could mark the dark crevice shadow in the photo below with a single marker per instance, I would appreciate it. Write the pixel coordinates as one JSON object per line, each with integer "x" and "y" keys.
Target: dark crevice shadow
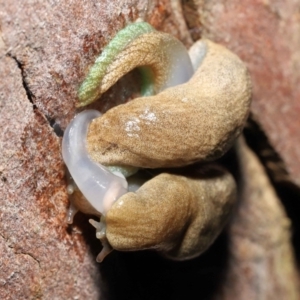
{"x": 288, "y": 192}
{"x": 20, "y": 65}
{"x": 148, "y": 276}
{"x": 56, "y": 128}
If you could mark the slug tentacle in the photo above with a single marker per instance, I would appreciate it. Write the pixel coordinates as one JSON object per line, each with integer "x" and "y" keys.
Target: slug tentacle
{"x": 97, "y": 184}
{"x": 131, "y": 48}
{"x": 195, "y": 121}
{"x": 101, "y": 235}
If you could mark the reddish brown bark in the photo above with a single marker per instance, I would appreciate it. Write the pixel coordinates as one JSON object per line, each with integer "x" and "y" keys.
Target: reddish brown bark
{"x": 46, "y": 49}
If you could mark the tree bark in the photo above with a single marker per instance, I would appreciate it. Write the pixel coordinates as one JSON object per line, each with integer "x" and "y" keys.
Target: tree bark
{"x": 46, "y": 49}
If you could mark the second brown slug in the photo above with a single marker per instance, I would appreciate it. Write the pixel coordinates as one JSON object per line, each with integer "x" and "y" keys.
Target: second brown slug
{"x": 177, "y": 215}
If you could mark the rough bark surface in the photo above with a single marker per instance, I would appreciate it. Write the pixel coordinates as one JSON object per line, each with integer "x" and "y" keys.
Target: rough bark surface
{"x": 39, "y": 258}
{"x": 46, "y": 49}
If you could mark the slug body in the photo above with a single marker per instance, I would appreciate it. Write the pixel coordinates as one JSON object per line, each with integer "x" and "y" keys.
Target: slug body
{"x": 179, "y": 216}
{"x": 194, "y": 107}
{"x": 197, "y": 121}
{"x": 92, "y": 179}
